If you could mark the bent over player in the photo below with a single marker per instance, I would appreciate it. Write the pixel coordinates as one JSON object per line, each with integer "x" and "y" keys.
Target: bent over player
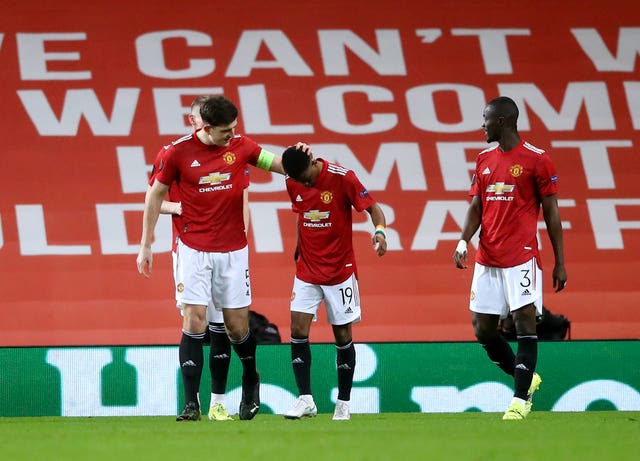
{"x": 323, "y": 194}
{"x": 511, "y": 181}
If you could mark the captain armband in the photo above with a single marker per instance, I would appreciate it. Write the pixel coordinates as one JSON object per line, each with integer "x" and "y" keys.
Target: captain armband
{"x": 265, "y": 159}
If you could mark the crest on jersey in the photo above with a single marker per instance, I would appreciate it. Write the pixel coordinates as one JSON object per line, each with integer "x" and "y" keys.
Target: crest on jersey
{"x": 326, "y": 197}
{"x": 229, "y": 157}
{"x": 516, "y": 170}
{"x": 180, "y": 287}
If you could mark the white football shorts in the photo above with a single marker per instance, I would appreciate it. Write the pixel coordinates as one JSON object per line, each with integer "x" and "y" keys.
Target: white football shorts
{"x": 497, "y": 291}
{"x": 202, "y": 277}
{"x": 213, "y": 315}
{"x": 342, "y": 301}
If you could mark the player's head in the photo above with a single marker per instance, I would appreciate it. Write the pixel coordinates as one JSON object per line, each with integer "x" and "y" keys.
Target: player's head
{"x": 297, "y": 165}
{"x": 500, "y": 116}
{"x": 219, "y": 118}
{"x": 194, "y": 116}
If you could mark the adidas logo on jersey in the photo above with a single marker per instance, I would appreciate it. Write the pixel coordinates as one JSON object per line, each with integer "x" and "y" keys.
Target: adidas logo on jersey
{"x": 195, "y": 163}
{"x": 348, "y": 310}
{"x": 298, "y": 198}
{"x": 526, "y": 293}
{"x": 297, "y": 360}
{"x": 486, "y": 171}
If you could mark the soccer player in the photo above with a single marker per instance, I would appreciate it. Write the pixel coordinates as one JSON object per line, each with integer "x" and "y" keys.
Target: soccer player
{"x": 220, "y": 350}
{"x": 512, "y": 179}
{"x": 209, "y": 167}
{"x": 323, "y": 194}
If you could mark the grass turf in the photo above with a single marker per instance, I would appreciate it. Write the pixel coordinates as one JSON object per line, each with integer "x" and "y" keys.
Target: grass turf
{"x": 543, "y": 436}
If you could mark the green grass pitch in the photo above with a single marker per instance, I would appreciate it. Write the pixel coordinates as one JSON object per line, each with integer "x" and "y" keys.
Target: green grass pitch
{"x": 543, "y": 436}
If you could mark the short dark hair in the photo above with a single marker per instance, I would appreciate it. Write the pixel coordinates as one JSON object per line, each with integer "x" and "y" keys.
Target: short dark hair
{"x": 218, "y": 111}
{"x": 295, "y": 161}
{"x": 505, "y": 107}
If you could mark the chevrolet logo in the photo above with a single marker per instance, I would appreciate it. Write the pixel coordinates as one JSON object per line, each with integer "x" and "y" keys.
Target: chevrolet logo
{"x": 500, "y": 188}
{"x": 316, "y": 215}
{"x": 215, "y": 178}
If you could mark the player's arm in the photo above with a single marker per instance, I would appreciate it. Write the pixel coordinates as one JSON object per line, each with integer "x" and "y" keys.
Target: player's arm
{"x": 554, "y": 229}
{"x": 379, "y": 238}
{"x": 245, "y": 209}
{"x": 167, "y": 207}
{"x": 152, "y": 205}
{"x": 271, "y": 162}
{"x": 472, "y": 222}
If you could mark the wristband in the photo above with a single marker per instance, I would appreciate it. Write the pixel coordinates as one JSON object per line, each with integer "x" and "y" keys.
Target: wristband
{"x": 462, "y": 247}
{"x": 380, "y": 230}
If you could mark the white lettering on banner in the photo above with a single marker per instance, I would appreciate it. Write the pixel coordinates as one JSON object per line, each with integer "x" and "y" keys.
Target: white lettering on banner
{"x": 258, "y": 120}
{"x": 286, "y": 57}
{"x": 455, "y": 169}
{"x": 81, "y": 369}
{"x": 434, "y": 217}
{"x": 268, "y": 237}
{"x": 32, "y": 234}
{"x": 334, "y": 43}
{"x": 114, "y": 238}
{"x": 602, "y": 59}
{"x": 592, "y": 95}
{"x": 170, "y": 112}
{"x": 33, "y": 58}
{"x": 1, "y": 235}
{"x": 605, "y": 223}
{"x": 632, "y": 91}
{"x": 595, "y": 159}
{"x": 333, "y": 112}
{"x": 133, "y": 168}
{"x": 423, "y": 112}
{"x": 151, "y": 56}
{"x": 429, "y": 35}
{"x": 578, "y": 398}
{"x": 487, "y": 396}
{"x": 405, "y": 157}
{"x": 493, "y": 47}
{"x": 79, "y": 103}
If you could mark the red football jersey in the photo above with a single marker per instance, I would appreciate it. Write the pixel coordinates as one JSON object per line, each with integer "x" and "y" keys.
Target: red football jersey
{"x": 324, "y": 224}
{"x": 510, "y": 185}
{"x": 210, "y": 180}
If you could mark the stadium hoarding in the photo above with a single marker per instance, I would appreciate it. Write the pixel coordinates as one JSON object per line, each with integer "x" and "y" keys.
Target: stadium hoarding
{"x": 394, "y": 93}
{"x": 390, "y": 377}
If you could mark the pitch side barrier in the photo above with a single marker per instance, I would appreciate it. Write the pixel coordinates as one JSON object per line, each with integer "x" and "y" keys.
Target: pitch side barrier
{"x": 390, "y": 377}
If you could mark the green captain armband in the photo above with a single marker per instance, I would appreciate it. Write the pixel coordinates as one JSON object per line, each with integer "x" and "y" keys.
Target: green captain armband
{"x": 265, "y": 159}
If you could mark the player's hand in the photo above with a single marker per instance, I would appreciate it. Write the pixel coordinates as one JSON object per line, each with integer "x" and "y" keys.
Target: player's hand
{"x": 145, "y": 261}
{"x": 559, "y": 277}
{"x": 177, "y": 209}
{"x": 305, "y": 148}
{"x": 379, "y": 244}
{"x": 460, "y": 255}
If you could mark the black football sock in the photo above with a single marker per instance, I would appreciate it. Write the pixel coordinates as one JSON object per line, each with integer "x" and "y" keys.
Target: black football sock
{"x": 526, "y": 359}
{"x": 219, "y": 357}
{"x": 301, "y": 363}
{"x": 500, "y": 353}
{"x": 346, "y": 363}
{"x": 246, "y": 350}
{"x": 191, "y": 361}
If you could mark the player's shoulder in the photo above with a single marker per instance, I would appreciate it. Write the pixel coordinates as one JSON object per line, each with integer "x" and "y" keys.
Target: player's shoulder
{"x": 488, "y": 150}
{"x": 335, "y": 169}
{"x": 528, "y": 147}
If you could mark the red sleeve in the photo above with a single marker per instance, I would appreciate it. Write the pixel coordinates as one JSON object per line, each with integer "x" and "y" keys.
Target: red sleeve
{"x": 546, "y": 178}
{"x": 156, "y": 166}
{"x": 167, "y": 169}
{"x": 358, "y": 194}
